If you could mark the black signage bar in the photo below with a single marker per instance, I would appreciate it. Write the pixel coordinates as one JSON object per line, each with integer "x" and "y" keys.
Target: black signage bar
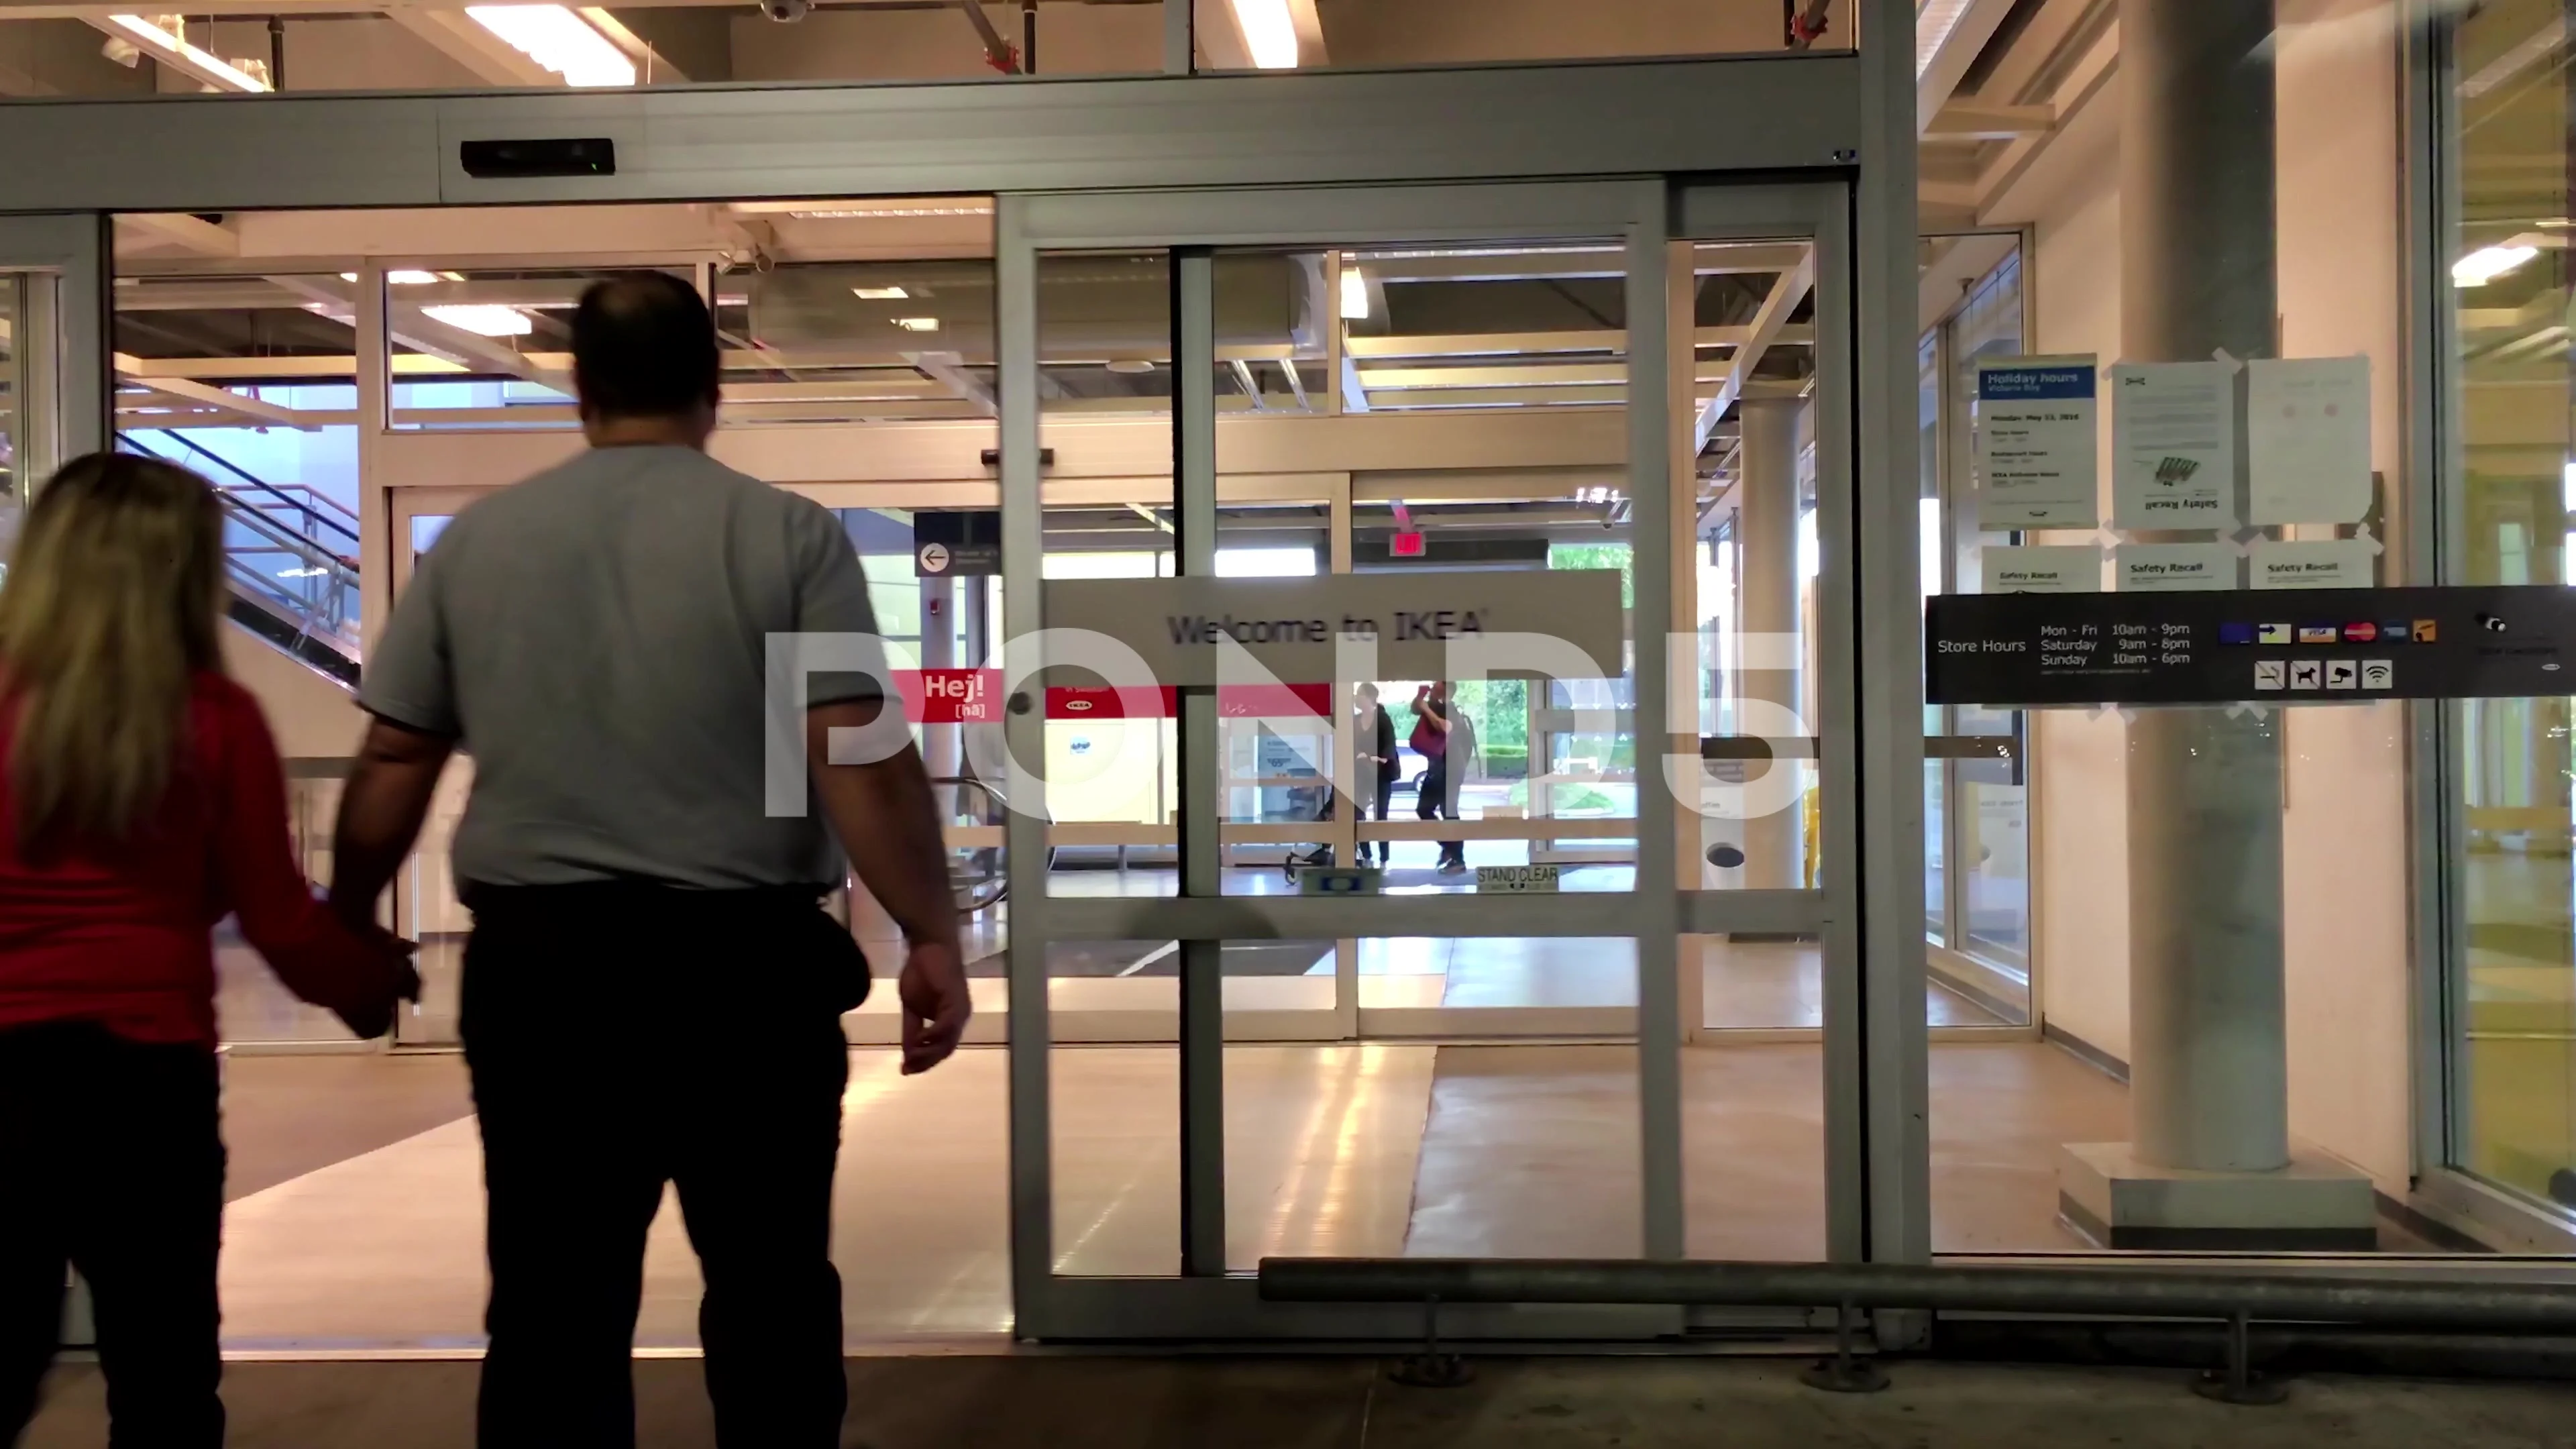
{"x": 2272, "y": 646}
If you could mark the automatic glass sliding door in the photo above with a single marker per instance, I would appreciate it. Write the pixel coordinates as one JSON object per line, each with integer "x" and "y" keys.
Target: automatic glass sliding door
{"x": 1432, "y": 397}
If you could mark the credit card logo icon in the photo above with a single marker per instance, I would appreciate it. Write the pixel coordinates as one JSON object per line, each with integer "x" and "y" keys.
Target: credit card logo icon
{"x": 2396, "y": 631}
{"x": 2307, "y": 673}
{"x": 2235, "y": 633}
{"x": 2271, "y": 674}
{"x": 2425, "y": 631}
{"x": 2360, "y": 633}
{"x": 2272, "y": 633}
{"x": 2319, "y": 634}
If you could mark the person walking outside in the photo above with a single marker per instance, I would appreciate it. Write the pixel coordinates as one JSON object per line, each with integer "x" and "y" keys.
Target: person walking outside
{"x": 1433, "y": 795}
{"x": 652, "y": 990}
{"x": 1376, "y": 758}
{"x": 142, "y": 801}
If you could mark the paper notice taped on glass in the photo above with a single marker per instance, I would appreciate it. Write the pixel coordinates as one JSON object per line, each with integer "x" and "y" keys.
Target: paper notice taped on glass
{"x": 2051, "y": 568}
{"x": 2328, "y": 563}
{"x": 2307, "y": 440}
{"x": 2163, "y": 568}
{"x": 2036, "y": 443}
{"x": 2173, "y": 445}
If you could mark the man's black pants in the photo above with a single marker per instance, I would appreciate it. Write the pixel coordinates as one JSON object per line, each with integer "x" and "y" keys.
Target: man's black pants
{"x": 620, "y": 1038}
{"x": 1431, "y": 802}
{"x": 111, "y": 1162}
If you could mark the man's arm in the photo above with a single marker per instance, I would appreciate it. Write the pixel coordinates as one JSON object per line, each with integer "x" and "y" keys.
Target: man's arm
{"x": 381, "y": 809}
{"x": 887, "y": 821}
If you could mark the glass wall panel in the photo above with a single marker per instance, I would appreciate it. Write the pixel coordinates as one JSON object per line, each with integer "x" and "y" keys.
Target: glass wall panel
{"x": 2514, "y": 1069}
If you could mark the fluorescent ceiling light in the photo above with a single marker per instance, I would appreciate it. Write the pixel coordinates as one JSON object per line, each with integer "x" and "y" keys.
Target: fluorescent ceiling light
{"x": 483, "y": 319}
{"x": 917, "y": 324}
{"x": 406, "y": 277}
{"x": 880, "y": 294}
{"x": 1933, "y": 22}
{"x": 2488, "y": 263}
{"x": 559, "y": 40}
{"x": 858, "y": 211}
{"x": 194, "y": 60}
{"x": 311, "y": 573}
{"x": 1268, "y": 33}
{"x": 1354, "y": 294}
{"x": 2567, "y": 488}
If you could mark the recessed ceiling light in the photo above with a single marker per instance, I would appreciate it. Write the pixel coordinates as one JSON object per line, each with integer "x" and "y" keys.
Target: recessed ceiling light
{"x": 879, "y": 294}
{"x": 917, "y": 324}
{"x": 2488, "y": 263}
{"x": 1268, "y": 33}
{"x": 1131, "y": 366}
{"x": 483, "y": 320}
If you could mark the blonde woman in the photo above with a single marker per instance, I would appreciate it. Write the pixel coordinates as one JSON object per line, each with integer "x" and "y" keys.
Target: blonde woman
{"x": 141, "y": 801}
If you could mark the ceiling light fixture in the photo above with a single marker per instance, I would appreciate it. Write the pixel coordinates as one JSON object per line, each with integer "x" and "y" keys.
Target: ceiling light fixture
{"x": 917, "y": 324}
{"x": 2488, "y": 263}
{"x": 1354, "y": 294}
{"x": 483, "y": 319}
{"x": 1268, "y": 33}
{"x": 879, "y": 294}
{"x": 406, "y": 277}
{"x": 163, "y": 39}
{"x": 860, "y": 212}
{"x": 559, "y": 40}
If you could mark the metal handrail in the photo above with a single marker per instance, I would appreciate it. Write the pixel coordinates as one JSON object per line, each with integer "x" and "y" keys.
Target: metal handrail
{"x": 2482, "y": 1305}
{"x": 315, "y": 504}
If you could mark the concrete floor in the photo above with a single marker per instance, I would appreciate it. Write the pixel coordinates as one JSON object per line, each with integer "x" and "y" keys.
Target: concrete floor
{"x": 1065, "y": 1402}
{"x": 356, "y": 1222}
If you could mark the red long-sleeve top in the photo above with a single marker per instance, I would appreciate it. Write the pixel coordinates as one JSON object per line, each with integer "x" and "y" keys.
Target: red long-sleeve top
{"x": 121, "y": 933}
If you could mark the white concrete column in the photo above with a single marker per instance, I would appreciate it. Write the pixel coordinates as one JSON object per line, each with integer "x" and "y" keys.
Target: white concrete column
{"x": 2208, "y": 1079}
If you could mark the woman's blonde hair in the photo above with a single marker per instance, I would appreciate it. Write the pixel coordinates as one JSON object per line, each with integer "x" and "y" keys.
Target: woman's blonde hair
{"x": 109, "y": 606}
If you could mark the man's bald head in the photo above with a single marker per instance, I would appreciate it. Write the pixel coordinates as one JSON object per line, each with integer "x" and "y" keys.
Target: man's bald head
{"x": 643, "y": 346}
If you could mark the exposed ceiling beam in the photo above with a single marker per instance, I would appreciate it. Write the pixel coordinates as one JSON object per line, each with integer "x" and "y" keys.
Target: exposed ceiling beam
{"x": 175, "y": 52}
{"x": 1542, "y": 375}
{"x": 1979, "y": 121}
{"x": 198, "y": 235}
{"x": 1785, "y": 296}
{"x": 1309, "y": 23}
{"x": 651, "y": 66}
{"x": 1251, "y": 385}
{"x": 256, "y": 410}
{"x": 454, "y": 33}
{"x": 1938, "y": 71}
{"x": 949, "y": 371}
{"x": 1355, "y": 398}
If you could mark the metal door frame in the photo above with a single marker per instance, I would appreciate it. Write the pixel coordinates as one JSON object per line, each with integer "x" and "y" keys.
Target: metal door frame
{"x": 65, "y": 256}
{"x": 1204, "y": 1301}
{"x": 1810, "y": 115}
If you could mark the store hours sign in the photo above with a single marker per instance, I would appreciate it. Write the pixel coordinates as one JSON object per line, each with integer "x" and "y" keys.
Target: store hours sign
{"x": 2306, "y": 646}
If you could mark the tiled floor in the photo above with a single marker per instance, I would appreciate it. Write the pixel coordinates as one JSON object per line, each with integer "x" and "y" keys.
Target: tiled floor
{"x": 357, "y": 1220}
{"x": 1062, "y": 1401}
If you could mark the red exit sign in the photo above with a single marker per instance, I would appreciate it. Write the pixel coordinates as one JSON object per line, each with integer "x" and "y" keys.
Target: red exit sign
{"x": 1405, "y": 544}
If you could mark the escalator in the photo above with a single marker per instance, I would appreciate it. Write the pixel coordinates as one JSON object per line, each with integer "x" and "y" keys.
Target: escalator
{"x": 290, "y": 554}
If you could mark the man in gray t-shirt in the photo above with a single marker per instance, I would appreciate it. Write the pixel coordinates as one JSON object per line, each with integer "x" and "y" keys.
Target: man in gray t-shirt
{"x": 652, "y": 992}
